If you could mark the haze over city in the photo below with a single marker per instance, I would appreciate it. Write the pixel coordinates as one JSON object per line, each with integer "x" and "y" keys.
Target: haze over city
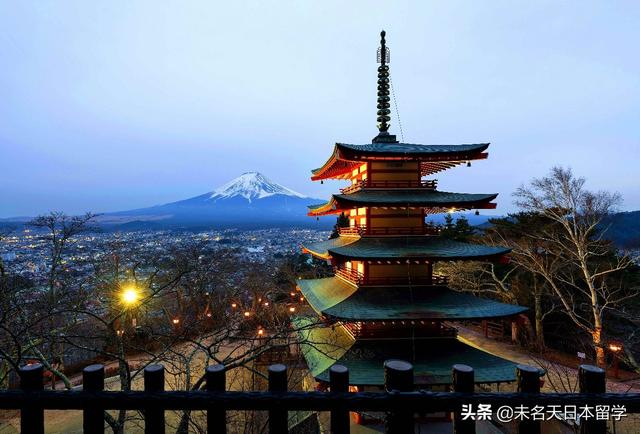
{"x": 108, "y": 107}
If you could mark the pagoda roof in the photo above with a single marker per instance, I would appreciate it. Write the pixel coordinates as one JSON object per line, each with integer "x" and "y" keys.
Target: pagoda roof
{"x": 432, "y": 358}
{"x": 404, "y": 247}
{"x": 338, "y": 299}
{"x": 433, "y": 158}
{"x": 404, "y": 198}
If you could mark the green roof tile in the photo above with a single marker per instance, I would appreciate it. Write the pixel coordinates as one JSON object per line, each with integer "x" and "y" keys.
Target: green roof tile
{"x": 409, "y": 197}
{"x": 423, "y": 247}
{"x": 432, "y": 358}
{"x": 411, "y": 148}
{"x": 336, "y": 298}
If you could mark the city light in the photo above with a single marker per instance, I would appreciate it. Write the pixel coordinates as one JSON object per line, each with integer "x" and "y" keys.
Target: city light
{"x": 260, "y": 332}
{"x": 234, "y": 305}
{"x": 176, "y": 321}
{"x": 130, "y": 296}
{"x": 615, "y": 347}
{"x": 266, "y": 303}
{"x": 247, "y": 314}
{"x": 292, "y": 309}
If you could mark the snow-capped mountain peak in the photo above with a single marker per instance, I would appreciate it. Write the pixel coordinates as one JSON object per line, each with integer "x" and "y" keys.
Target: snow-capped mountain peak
{"x": 252, "y": 185}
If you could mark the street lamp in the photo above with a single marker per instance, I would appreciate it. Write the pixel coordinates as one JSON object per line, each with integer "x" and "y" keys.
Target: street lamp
{"x": 130, "y": 296}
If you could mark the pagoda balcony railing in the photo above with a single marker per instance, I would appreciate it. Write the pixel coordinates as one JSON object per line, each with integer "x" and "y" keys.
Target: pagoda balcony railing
{"x": 430, "y": 184}
{"x": 358, "y": 278}
{"x": 363, "y": 230}
{"x": 400, "y": 399}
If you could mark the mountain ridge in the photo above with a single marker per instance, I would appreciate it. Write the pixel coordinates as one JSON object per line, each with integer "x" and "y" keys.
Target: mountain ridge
{"x": 250, "y": 200}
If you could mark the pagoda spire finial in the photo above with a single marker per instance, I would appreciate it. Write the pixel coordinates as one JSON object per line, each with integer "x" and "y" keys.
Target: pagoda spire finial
{"x": 383, "y": 94}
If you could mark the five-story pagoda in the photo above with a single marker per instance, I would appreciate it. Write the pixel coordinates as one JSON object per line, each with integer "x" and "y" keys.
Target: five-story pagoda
{"x": 385, "y": 301}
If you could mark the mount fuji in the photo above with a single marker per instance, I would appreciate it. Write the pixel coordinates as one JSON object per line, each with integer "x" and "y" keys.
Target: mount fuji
{"x": 250, "y": 200}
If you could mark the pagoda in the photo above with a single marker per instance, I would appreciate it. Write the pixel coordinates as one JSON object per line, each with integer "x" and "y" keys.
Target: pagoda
{"x": 385, "y": 301}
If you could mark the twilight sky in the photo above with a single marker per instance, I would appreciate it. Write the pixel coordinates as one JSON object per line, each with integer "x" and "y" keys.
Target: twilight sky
{"x": 108, "y": 106}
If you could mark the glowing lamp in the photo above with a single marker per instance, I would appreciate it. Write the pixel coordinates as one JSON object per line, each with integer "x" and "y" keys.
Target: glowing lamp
{"x": 292, "y": 309}
{"x": 247, "y": 314}
{"x": 130, "y": 296}
{"x": 260, "y": 332}
{"x": 175, "y": 321}
{"x": 234, "y": 305}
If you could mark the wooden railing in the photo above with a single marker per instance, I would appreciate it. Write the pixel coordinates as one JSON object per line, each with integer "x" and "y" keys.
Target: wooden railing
{"x": 399, "y": 400}
{"x": 431, "y": 184}
{"x": 363, "y": 230}
{"x": 354, "y": 276}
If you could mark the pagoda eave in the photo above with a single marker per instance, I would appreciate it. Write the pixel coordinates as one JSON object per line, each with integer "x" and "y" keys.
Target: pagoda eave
{"x": 432, "y": 358}
{"x": 433, "y": 158}
{"x": 402, "y": 249}
{"x": 339, "y": 300}
{"x": 430, "y": 200}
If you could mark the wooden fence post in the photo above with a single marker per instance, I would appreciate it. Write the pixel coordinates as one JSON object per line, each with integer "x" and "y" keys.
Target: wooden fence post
{"x": 339, "y": 382}
{"x": 398, "y": 377}
{"x": 463, "y": 380}
{"x": 592, "y": 380}
{"x": 31, "y": 418}
{"x": 278, "y": 418}
{"x": 216, "y": 382}
{"x": 528, "y": 378}
{"x": 93, "y": 381}
{"x": 154, "y": 382}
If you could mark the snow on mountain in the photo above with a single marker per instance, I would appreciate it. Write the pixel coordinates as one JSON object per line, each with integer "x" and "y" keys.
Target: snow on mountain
{"x": 252, "y": 185}
{"x": 251, "y": 200}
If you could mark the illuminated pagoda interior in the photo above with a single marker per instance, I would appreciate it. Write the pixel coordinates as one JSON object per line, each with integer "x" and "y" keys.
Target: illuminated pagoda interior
{"x": 385, "y": 301}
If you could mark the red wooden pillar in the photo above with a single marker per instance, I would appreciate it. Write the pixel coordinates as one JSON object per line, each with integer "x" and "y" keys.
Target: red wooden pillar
{"x": 485, "y": 328}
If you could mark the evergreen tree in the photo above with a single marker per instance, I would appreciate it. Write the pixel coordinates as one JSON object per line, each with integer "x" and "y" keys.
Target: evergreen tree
{"x": 341, "y": 222}
{"x": 461, "y": 230}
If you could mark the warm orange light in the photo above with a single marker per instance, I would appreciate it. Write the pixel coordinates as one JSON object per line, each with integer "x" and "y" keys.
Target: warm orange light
{"x": 615, "y": 347}
{"x": 209, "y": 315}
{"x": 130, "y": 295}
{"x": 260, "y": 332}
{"x": 234, "y": 305}
{"x": 293, "y": 294}
{"x": 292, "y": 309}
{"x": 247, "y": 313}
{"x": 266, "y": 303}
{"x": 176, "y": 321}
{"x": 301, "y": 298}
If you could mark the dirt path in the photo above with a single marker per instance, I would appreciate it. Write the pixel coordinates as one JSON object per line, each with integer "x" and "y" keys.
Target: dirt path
{"x": 519, "y": 355}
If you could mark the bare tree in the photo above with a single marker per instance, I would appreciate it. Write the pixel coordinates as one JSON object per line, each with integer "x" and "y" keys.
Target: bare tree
{"x": 573, "y": 258}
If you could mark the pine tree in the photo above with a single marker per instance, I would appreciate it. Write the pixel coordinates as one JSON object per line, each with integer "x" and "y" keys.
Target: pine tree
{"x": 341, "y": 222}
